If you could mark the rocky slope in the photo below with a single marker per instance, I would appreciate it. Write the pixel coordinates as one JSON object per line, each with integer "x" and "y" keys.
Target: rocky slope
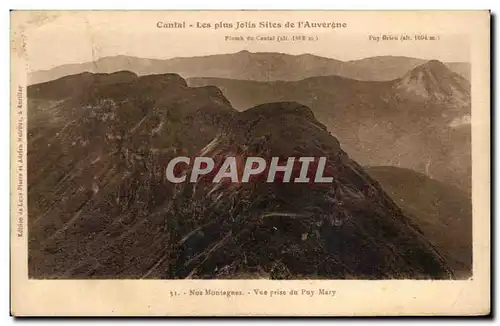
{"x": 98, "y": 145}
{"x": 346, "y": 229}
{"x": 99, "y": 205}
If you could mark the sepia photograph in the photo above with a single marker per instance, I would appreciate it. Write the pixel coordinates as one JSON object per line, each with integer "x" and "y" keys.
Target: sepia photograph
{"x": 249, "y": 146}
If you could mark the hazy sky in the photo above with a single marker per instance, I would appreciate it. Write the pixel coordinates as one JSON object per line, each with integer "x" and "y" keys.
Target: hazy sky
{"x": 60, "y": 38}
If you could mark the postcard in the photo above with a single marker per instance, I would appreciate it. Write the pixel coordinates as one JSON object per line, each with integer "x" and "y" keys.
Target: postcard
{"x": 250, "y": 163}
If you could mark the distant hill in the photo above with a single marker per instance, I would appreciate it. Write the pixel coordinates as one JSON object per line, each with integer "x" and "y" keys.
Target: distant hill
{"x": 441, "y": 211}
{"x": 420, "y": 121}
{"x": 250, "y": 66}
{"x": 98, "y": 145}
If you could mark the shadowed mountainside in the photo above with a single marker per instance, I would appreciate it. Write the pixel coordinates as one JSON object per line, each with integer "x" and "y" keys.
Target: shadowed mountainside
{"x": 441, "y": 211}
{"x": 346, "y": 229}
{"x": 100, "y": 207}
{"x": 98, "y": 145}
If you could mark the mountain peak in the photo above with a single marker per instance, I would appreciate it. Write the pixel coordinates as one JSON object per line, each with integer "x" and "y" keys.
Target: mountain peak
{"x": 435, "y": 62}
{"x": 297, "y": 230}
{"x": 434, "y": 80}
{"x": 290, "y": 118}
{"x": 434, "y": 66}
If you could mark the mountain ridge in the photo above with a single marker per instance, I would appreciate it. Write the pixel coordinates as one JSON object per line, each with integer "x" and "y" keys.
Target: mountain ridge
{"x": 434, "y": 207}
{"x": 96, "y": 156}
{"x": 260, "y": 66}
{"x": 434, "y": 80}
{"x": 347, "y": 229}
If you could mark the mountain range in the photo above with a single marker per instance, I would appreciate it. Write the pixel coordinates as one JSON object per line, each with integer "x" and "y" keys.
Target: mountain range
{"x": 261, "y": 66}
{"x": 441, "y": 211}
{"x": 420, "y": 121}
{"x": 98, "y": 145}
{"x": 100, "y": 206}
